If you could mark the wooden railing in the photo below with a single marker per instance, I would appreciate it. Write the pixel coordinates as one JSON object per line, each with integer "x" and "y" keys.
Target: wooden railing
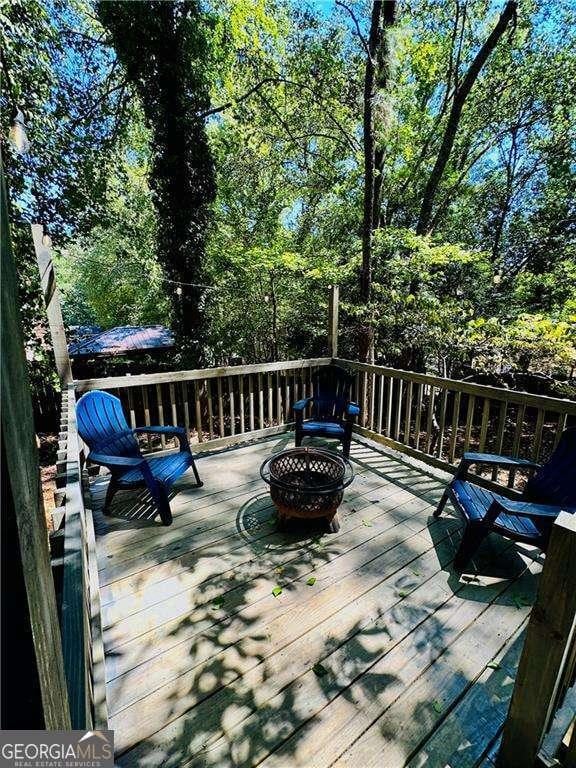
{"x": 217, "y": 406}
{"x": 81, "y": 630}
{"x": 431, "y": 418}
{"x": 543, "y": 706}
{"x": 437, "y": 420}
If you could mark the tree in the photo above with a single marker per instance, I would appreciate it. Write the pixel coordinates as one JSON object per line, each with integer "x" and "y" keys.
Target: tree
{"x": 164, "y": 47}
{"x": 461, "y": 92}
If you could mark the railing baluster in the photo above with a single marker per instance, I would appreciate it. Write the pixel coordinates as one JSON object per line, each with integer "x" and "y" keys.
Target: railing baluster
{"x": 160, "y": 413}
{"x": 184, "y": 390}
{"x": 441, "y": 425}
{"x": 198, "y": 404}
{"x": 210, "y": 408}
{"x": 517, "y": 441}
{"x": 454, "y": 428}
{"x": 372, "y": 399}
{"x": 484, "y": 424}
{"x": 389, "y": 407}
{"x": 131, "y": 408}
{"x": 241, "y": 397}
{"x": 288, "y": 404}
{"x": 173, "y": 404}
{"x": 560, "y": 427}
{"x": 260, "y": 402}
{"x": 398, "y": 410}
{"x": 220, "y": 407}
{"x": 380, "y": 404}
{"x": 418, "y": 416}
{"x": 519, "y": 429}
{"x": 270, "y": 399}
{"x": 232, "y": 406}
{"x": 147, "y": 421}
{"x": 537, "y": 444}
{"x": 279, "y": 408}
{"x": 251, "y": 401}
{"x": 469, "y": 421}
{"x": 500, "y": 434}
{"x": 408, "y": 416}
{"x": 173, "y": 409}
{"x": 430, "y": 419}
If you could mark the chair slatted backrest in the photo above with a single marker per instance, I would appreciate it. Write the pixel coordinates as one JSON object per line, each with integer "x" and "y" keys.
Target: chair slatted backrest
{"x": 555, "y": 481}
{"x": 103, "y": 426}
{"x": 332, "y": 386}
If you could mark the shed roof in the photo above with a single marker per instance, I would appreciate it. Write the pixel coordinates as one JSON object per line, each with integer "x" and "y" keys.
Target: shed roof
{"x": 123, "y": 340}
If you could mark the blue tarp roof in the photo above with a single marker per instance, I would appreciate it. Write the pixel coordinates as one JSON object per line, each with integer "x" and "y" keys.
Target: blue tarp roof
{"x": 123, "y": 341}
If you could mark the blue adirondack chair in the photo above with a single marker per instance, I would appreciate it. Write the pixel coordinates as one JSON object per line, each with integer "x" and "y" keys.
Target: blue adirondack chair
{"x": 551, "y": 489}
{"x": 332, "y": 413}
{"x": 103, "y": 427}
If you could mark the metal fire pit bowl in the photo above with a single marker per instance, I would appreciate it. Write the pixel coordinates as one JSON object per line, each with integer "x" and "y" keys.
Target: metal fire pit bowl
{"x": 307, "y": 483}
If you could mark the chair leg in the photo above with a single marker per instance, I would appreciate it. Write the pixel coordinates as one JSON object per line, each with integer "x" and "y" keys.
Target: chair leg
{"x": 346, "y": 447}
{"x": 199, "y": 482}
{"x": 472, "y": 537}
{"x": 442, "y": 504}
{"x": 112, "y": 488}
{"x": 164, "y": 506}
{"x": 298, "y": 439}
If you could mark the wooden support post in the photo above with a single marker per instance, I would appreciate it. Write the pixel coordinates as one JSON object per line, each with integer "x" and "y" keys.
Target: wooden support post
{"x": 53, "y": 307}
{"x": 333, "y": 321}
{"x": 549, "y": 635}
{"x": 24, "y": 499}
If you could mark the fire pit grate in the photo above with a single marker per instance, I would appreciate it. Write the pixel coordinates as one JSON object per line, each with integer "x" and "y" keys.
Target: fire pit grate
{"x": 307, "y": 483}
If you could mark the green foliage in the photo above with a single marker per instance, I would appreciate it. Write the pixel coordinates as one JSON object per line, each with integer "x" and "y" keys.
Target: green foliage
{"x": 227, "y": 140}
{"x": 424, "y": 294}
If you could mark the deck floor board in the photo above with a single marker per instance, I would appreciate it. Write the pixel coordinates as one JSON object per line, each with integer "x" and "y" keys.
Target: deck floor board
{"x": 380, "y": 661}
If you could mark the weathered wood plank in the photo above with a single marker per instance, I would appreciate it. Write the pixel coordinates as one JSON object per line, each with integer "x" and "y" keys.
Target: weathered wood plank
{"x": 113, "y": 382}
{"x": 23, "y": 494}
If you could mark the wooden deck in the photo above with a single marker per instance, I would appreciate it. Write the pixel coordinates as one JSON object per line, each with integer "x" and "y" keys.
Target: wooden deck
{"x": 375, "y": 653}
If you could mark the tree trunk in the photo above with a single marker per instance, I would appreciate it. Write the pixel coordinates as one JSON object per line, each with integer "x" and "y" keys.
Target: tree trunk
{"x": 376, "y": 80}
{"x": 162, "y": 47}
{"x": 374, "y": 40}
{"x": 460, "y": 95}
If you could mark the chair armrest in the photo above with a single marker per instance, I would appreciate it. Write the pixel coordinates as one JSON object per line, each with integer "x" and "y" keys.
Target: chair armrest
{"x": 300, "y": 405}
{"x": 352, "y": 409}
{"x": 168, "y": 430}
{"x": 178, "y": 432}
{"x": 494, "y": 458}
{"x": 526, "y": 509}
{"x": 122, "y": 462}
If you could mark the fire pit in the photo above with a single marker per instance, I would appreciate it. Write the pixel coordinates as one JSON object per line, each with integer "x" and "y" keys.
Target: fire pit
{"x": 307, "y": 483}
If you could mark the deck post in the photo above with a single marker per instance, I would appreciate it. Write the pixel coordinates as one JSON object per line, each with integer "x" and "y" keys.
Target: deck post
{"x": 333, "y": 301}
{"x": 53, "y": 307}
{"x": 548, "y": 639}
{"x": 23, "y": 502}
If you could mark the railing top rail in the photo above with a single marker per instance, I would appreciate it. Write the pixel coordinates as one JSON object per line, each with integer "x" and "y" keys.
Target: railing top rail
{"x": 493, "y": 393}
{"x": 171, "y": 377}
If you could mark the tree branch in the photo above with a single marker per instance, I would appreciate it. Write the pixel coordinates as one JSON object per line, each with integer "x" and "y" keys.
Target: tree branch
{"x": 458, "y": 101}
{"x": 356, "y": 24}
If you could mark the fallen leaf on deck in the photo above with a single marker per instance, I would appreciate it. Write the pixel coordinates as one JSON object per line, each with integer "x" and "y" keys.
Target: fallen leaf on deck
{"x": 319, "y": 670}
{"x": 437, "y": 705}
{"x": 277, "y": 591}
{"x": 311, "y": 581}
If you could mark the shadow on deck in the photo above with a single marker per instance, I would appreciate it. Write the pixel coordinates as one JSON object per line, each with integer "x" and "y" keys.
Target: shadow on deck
{"x": 375, "y": 653}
